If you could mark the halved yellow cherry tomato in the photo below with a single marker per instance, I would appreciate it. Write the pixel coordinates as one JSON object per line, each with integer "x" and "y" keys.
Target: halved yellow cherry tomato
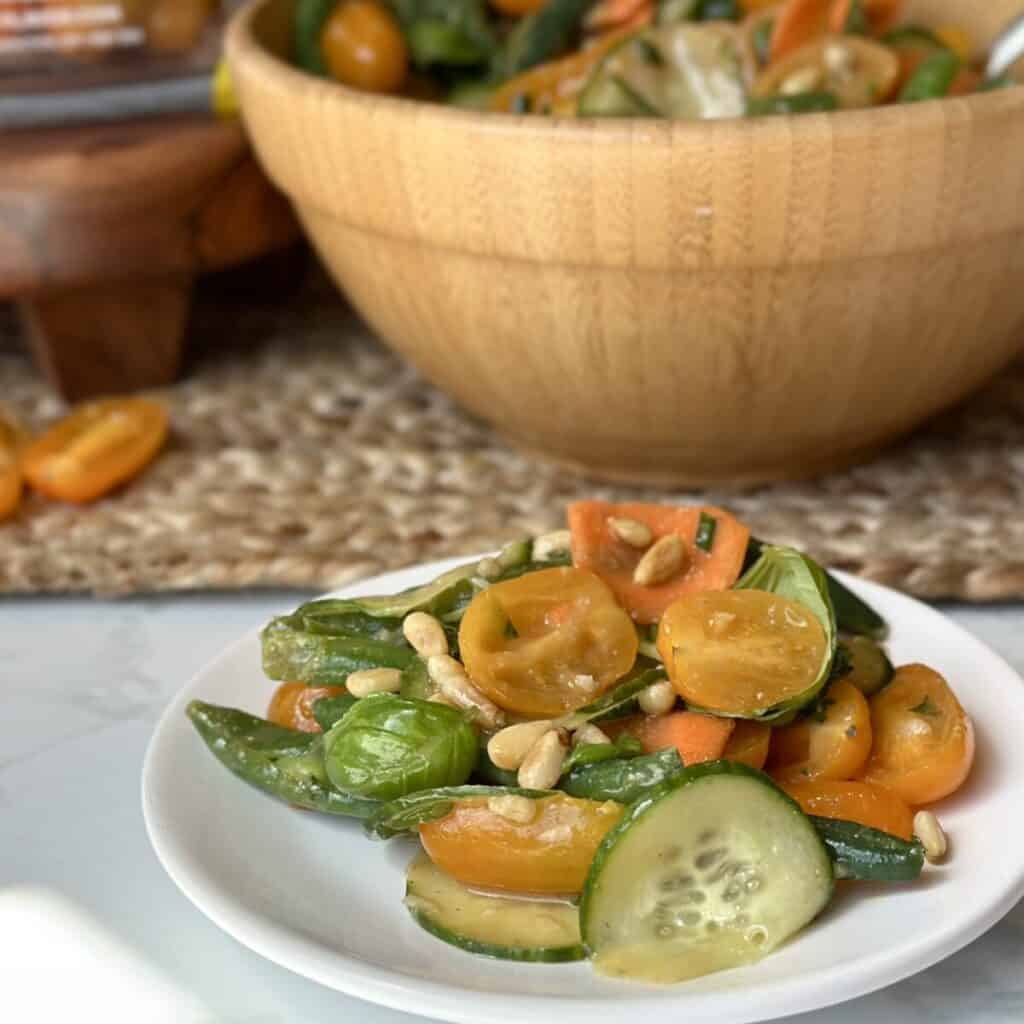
{"x": 832, "y": 743}
{"x": 363, "y": 47}
{"x": 292, "y": 705}
{"x": 97, "y": 447}
{"x": 749, "y": 744}
{"x": 550, "y": 854}
{"x": 548, "y": 642}
{"x": 11, "y": 441}
{"x": 854, "y": 801}
{"x": 555, "y": 85}
{"x": 740, "y": 652}
{"x": 858, "y": 72}
{"x": 923, "y": 740}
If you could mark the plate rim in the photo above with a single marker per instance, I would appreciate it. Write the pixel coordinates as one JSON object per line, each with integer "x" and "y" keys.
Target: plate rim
{"x": 442, "y": 1001}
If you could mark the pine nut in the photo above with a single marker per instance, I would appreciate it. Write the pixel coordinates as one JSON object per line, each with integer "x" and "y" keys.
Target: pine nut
{"x": 489, "y": 568}
{"x": 547, "y": 545}
{"x": 589, "y": 734}
{"x": 933, "y": 838}
{"x": 454, "y": 683}
{"x": 657, "y": 699}
{"x": 838, "y": 58}
{"x": 519, "y": 809}
{"x": 425, "y": 634}
{"x": 542, "y": 766}
{"x": 631, "y": 532}
{"x": 804, "y": 80}
{"x": 508, "y": 748}
{"x": 374, "y": 680}
{"x": 660, "y": 562}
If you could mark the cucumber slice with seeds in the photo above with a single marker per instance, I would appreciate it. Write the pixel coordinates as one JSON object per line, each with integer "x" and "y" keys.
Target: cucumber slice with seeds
{"x": 714, "y": 869}
{"x": 538, "y": 931}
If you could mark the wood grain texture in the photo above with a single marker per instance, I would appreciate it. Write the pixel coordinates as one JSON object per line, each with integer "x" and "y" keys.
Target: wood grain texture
{"x": 697, "y": 303}
{"x": 102, "y": 229}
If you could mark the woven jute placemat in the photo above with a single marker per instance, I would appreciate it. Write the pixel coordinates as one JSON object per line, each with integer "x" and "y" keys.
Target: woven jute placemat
{"x": 304, "y": 454}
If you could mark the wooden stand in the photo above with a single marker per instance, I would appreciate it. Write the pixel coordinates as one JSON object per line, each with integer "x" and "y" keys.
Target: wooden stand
{"x": 103, "y": 231}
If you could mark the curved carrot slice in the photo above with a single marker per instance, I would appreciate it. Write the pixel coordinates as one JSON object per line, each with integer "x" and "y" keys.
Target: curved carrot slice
{"x": 597, "y": 548}
{"x": 697, "y": 737}
{"x": 609, "y": 14}
{"x": 799, "y": 22}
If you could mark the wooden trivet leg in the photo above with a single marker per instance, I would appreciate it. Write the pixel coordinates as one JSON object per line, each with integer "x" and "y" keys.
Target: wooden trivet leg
{"x": 109, "y": 339}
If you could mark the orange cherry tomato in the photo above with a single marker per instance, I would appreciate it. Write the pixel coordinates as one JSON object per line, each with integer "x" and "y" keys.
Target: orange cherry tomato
{"x": 923, "y": 740}
{"x": 833, "y": 743}
{"x": 174, "y": 26}
{"x": 740, "y": 652}
{"x": 363, "y": 47}
{"x": 854, "y": 801}
{"x": 547, "y": 642}
{"x": 292, "y": 705}
{"x": 97, "y": 447}
{"x": 749, "y": 744}
{"x": 517, "y": 8}
{"x": 550, "y": 854}
{"x": 12, "y": 439}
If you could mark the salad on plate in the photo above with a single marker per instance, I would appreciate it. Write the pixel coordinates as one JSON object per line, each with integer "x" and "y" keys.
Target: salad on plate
{"x": 649, "y": 740}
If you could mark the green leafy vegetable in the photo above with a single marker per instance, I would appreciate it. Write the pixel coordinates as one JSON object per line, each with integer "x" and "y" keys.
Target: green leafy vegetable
{"x": 407, "y": 813}
{"x": 388, "y": 746}
{"x": 328, "y": 711}
{"x": 926, "y": 708}
{"x": 623, "y": 779}
{"x": 620, "y": 701}
{"x": 788, "y": 573}
{"x": 625, "y": 746}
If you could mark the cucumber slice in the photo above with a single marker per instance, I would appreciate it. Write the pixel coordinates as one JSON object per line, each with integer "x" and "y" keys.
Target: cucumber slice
{"x": 870, "y": 667}
{"x": 538, "y": 931}
{"x": 712, "y": 870}
{"x": 682, "y": 71}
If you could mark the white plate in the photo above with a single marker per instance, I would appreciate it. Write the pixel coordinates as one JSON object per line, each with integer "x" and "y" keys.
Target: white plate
{"x": 312, "y": 894}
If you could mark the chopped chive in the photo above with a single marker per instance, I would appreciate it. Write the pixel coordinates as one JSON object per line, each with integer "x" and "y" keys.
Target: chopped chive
{"x": 926, "y": 707}
{"x": 649, "y": 53}
{"x": 706, "y": 532}
{"x": 510, "y": 630}
{"x": 520, "y": 103}
{"x": 857, "y": 23}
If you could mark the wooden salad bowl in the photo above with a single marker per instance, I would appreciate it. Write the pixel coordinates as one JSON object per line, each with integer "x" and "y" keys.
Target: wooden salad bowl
{"x": 694, "y": 303}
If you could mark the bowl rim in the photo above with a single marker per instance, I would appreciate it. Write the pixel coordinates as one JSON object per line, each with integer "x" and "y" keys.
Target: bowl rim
{"x": 243, "y": 48}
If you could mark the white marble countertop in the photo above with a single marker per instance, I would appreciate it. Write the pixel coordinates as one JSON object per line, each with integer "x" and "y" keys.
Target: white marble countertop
{"x": 81, "y": 685}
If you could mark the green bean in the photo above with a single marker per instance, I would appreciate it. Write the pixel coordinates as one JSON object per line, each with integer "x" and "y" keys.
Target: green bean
{"x": 933, "y": 79}
{"x": 801, "y": 103}
{"x": 282, "y": 762}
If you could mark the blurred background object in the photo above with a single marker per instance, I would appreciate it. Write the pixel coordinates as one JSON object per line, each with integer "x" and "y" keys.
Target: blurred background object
{"x": 105, "y": 227}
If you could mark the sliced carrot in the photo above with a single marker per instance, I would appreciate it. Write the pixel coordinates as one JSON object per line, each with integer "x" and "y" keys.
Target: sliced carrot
{"x": 749, "y": 744}
{"x": 609, "y": 14}
{"x": 596, "y": 548}
{"x": 697, "y": 737}
{"x": 882, "y": 14}
{"x": 799, "y": 22}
